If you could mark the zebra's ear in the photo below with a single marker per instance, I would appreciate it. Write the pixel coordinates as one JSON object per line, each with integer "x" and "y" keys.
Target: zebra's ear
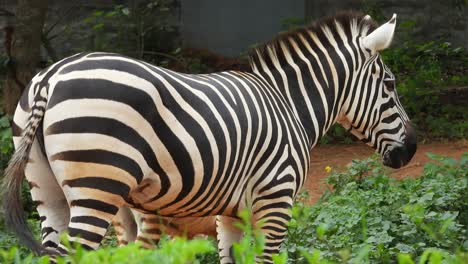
{"x": 381, "y": 38}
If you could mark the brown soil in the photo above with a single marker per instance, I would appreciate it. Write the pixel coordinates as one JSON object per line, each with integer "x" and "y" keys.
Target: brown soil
{"x": 338, "y": 156}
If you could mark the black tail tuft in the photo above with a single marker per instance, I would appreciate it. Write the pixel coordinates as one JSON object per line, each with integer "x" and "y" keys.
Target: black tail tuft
{"x": 15, "y": 217}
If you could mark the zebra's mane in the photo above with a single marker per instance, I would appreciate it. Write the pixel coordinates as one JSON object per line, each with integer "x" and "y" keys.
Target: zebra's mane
{"x": 352, "y": 23}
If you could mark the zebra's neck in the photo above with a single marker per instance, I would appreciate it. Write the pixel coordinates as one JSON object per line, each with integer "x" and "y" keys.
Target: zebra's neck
{"x": 312, "y": 75}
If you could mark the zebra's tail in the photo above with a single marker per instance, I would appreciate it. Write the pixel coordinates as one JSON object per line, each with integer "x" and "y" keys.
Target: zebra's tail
{"x": 15, "y": 217}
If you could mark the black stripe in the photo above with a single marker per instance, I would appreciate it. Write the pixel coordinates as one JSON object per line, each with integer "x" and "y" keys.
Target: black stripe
{"x": 100, "y": 156}
{"x": 62, "y": 250}
{"x": 273, "y": 206}
{"x": 276, "y": 221}
{"x": 95, "y": 204}
{"x": 154, "y": 231}
{"x": 389, "y": 119}
{"x": 50, "y": 244}
{"x": 86, "y": 247}
{"x": 286, "y": 217}
{"x": 274, "y": 244}
{"x": 280, "y": 193}
{"x": 90, "y": 220}
{"x": 47, "y": 230}
{"x": 100, "y": 183}
{"x": 270, "y": 252}
{"x": 90, "y": 236}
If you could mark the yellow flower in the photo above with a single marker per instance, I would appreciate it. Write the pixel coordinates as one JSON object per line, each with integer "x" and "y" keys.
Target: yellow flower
{"x": 328, "y": 169}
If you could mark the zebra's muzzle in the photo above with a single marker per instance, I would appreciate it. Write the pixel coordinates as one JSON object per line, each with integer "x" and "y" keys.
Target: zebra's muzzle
{"x": 401, "y": 155}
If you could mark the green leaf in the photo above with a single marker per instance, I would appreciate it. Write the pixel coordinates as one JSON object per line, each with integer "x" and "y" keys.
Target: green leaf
{"x": 98, "y": 26}
{"x": 405, "y": 259}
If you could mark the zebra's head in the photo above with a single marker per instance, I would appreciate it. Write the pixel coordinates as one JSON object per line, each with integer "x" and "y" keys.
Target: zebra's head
{"x": 375, "y": 115}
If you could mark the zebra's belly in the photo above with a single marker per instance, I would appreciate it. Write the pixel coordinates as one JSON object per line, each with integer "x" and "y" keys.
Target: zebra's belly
{"x": 197, "y": 203}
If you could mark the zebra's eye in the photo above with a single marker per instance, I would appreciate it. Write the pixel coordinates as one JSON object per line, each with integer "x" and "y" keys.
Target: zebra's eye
{"x": 390, "y": 84}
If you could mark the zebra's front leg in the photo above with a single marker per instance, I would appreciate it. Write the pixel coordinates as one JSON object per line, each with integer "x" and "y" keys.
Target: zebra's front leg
{"x": 227, "y": 235}
{"x": 150, "y": 229}
{"x": 125, "y": 226}
{"x": 274, "y": 217}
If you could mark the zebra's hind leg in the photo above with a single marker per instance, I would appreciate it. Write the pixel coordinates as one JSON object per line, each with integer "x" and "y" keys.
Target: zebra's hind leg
{"x": 95, "y": 193}
{"x": 90, "y": 216}
{"x": 227, "y": 235}
{"x": 46, "y": 193}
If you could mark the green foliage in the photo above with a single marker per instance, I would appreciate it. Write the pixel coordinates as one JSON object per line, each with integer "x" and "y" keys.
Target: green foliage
{"x": 9, "y": 244}
{"x": 371, "y": 218}
{"x": 177, "y": 251}
{"x": 367, "y": 217}
{"x": 6, "y": 142}
{"x": 141, "y": 29}
{"x": 336, "y": 135}
{"x": 251, "y": 245}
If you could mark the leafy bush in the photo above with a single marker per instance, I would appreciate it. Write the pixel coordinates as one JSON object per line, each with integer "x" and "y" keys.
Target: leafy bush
{"x": 370, "y": 217}
{"x": 177, "y": 251}
{"x": 6, "y": 142}
{"x": 140, "y": 29}
{"x": 366, "y": 217}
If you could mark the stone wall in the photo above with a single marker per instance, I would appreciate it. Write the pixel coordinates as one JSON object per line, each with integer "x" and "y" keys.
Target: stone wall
{"x": 230, "y": 27}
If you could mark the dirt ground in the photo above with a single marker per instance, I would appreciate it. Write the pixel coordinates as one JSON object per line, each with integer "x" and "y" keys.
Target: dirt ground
{"x": 338, "y": 156}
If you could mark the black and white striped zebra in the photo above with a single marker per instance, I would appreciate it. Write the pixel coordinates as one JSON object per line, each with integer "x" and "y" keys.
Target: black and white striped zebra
{"x": 96, "y": 132}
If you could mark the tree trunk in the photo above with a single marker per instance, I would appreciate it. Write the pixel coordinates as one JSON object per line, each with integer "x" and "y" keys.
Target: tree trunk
{"x": 25, "y": 49}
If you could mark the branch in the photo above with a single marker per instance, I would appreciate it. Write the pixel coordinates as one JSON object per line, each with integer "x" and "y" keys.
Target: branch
{"x": 60, "y": 19}
{"x": 50, "y": 50}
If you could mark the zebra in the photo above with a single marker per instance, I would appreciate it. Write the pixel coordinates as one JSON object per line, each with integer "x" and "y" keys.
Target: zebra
{"x": 96, "y": 132}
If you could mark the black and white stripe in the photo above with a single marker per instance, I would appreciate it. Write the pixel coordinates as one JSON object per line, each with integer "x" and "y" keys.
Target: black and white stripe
{"x": 120, "y": 132}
